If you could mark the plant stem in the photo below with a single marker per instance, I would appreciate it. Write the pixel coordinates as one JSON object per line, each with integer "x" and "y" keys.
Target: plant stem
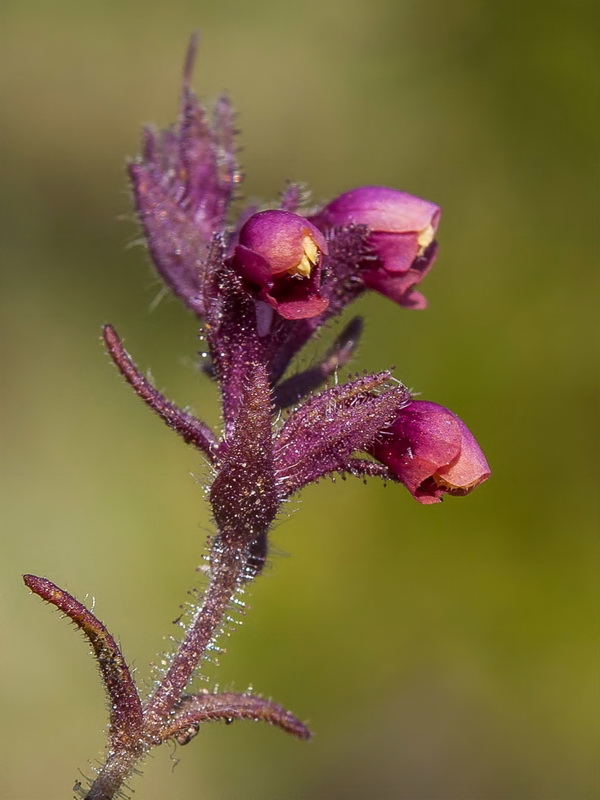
{"x": 227, "y": 571}
{"x": 116, "y": 770}
{"x": 229, "y": 567}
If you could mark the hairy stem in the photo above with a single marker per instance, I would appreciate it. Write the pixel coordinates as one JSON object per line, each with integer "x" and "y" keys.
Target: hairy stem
{"x": 229, "y": 568}
{"x": 116, "y": 770}
{"x": 227, "y": 572}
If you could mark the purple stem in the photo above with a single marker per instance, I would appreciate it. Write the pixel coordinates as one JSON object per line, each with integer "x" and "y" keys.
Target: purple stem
{"x": 227, "y": 573}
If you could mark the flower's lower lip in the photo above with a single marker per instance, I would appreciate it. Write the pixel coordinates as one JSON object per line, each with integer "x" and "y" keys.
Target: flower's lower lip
{"x": 441, "y": 482}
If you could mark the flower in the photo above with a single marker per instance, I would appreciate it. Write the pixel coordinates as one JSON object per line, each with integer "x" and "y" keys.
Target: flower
{"x": 279, "y": 255}
{"x": 402, "y": 230}
{"x": 432, "y": 452}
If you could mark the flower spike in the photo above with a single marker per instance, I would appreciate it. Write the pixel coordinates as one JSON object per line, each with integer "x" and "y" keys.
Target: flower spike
{"x": 263, "y": 285}
{"x": 183, "y": 185}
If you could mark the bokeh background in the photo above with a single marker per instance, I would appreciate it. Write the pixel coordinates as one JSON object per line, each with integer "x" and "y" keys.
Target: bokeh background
{"x": 439, "y": 653}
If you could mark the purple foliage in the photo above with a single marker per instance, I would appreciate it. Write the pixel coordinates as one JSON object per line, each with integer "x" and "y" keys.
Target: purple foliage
{"x": 262, "y": 285}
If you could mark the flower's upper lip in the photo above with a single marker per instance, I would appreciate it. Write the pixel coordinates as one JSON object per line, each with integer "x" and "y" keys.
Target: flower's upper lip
{"x": 383, "y": 209}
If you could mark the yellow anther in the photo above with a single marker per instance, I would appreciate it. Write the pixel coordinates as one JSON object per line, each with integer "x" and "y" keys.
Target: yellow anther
{"x": 310, "y": 256}
{"x": 443, "y": 483}
{"x": 425, "y": 238}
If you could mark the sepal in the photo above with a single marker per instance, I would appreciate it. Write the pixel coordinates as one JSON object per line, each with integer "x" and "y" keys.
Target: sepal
{"x": 321, "y": 435}
{"x": 231, "y": 331}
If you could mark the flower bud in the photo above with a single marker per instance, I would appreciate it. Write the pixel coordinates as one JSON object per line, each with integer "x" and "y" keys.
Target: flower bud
{"x": 402, "y": 230}
{"x": 432, "y": 452}
{"x": 279, "y": 255}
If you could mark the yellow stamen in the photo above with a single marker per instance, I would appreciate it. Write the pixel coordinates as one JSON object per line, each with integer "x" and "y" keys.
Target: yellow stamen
{"x": 310, "y": 256}
{"x": 443, "y": 483}
{"x": 425, "y": 238}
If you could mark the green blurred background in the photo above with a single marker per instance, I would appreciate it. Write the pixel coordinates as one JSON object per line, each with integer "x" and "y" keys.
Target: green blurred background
{"x": 439, "y": 653}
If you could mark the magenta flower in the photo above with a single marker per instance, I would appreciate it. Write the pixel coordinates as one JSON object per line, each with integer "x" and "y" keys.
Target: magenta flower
{"x": 279, "y": 255}
{"x": 401, "y": 234}
{"x": 432, "y": 452}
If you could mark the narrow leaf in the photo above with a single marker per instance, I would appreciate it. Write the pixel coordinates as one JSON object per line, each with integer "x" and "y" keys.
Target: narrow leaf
{"x": 125, "y": 705}
{"x": 192, "y": 430}
{"x": 198, "y": 708}
{"x": 297, "y": 386}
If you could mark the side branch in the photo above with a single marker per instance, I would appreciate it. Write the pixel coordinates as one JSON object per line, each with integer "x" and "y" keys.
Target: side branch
{"x": 298, "y": 386}
{"x": 192, "y": 430}
{"x": 125, "y": 705}
{"x": 198, "y": 708}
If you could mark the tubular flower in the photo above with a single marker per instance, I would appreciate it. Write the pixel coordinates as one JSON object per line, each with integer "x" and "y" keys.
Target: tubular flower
{"x": 401, "y": 234}
{"x": 432, "y": 452}
{"x": 279, "y": 255}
